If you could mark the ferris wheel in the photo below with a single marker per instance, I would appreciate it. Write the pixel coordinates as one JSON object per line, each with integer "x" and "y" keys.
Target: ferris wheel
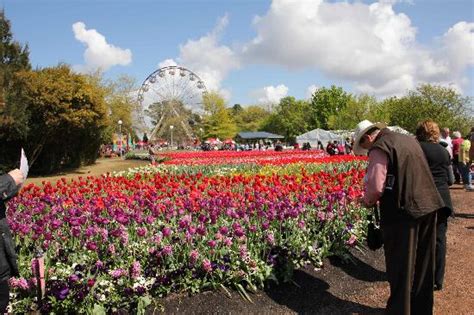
{"x": 170, "y": 89}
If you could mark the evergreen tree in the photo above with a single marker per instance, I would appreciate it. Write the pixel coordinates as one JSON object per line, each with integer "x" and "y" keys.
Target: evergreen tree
{"x": 13, "y": 113}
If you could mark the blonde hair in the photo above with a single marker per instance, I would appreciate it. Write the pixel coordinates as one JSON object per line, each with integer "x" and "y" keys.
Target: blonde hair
{"x": 427, "y": 130}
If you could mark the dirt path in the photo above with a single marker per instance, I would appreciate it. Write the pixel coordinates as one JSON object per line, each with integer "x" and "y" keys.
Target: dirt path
{"x": 100, "y": 167}
{"x": 359, "y": 288}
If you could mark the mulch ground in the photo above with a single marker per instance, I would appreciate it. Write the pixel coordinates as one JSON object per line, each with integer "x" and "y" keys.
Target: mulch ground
{"x": 350, "y": 288}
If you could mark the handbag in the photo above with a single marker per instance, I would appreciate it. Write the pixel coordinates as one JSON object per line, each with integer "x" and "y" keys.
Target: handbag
{"x": 374, "y": 232}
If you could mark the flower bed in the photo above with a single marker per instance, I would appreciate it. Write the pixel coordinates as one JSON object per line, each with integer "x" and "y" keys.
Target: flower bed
{"x": 112, "y": 242}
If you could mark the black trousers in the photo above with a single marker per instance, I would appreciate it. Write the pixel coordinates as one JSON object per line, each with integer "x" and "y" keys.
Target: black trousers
{"x": 440, "y": 260}
{"x": 4, "y": 296}
{"x": 409, "y": 246}
{"x": 457, "y": 174}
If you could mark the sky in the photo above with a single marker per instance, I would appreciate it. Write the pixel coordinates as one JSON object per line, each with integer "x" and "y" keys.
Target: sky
{"x": 258, "y": 51}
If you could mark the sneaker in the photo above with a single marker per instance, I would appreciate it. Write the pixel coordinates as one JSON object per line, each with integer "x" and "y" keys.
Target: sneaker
{"x": 470, "y": 188}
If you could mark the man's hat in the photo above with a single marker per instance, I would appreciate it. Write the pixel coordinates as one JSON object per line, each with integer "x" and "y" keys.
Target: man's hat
{"x": 360, "y": 130}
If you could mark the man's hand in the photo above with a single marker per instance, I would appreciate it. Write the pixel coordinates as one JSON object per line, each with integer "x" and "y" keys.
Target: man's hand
{"x": 17, "y": 176}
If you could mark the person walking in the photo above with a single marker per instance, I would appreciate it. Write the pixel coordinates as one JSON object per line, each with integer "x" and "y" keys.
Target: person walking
{"x": 457, "y": 140}
{"x": 465, "y": 163}
{"x": 9, "y": 186}
{"x": 399, "y": 179}
{"x": 428, "y": 133}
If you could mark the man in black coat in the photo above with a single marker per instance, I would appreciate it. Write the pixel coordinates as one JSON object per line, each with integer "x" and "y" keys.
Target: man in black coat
{"x": 398, "y": 177}
{"x": 9, "y": 186}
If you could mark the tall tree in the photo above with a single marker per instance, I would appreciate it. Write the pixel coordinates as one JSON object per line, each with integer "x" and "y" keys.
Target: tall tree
{"x": 442, "y": 104}
{"x": 13, "y": 113}
{"x": 358, "y": 108}
{"x": 326, "y": 103}
{"x": 251, "y": 118}
{"x": 67, "y": 117}
{"x": 217, "y": 121}
{"x": 289, "y": 119}
{"x": 121, "y": 101}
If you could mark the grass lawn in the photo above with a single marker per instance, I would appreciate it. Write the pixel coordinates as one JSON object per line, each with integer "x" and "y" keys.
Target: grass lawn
{"x": 100, "y": 167}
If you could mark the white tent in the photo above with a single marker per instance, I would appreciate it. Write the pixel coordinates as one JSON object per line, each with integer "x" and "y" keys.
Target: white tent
{"x": 325, "y": 136}
{"x": 316, "y": 135}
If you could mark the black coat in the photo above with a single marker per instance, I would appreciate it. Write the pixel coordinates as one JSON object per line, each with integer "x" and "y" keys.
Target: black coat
{"x": 8, "y": 257}
{"x": 439, "y": 161}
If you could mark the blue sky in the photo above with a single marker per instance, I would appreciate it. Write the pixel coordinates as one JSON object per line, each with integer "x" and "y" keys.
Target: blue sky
{"x": 381, "y": 48}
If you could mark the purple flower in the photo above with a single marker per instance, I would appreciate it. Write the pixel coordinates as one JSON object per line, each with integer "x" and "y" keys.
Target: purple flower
{"x": 166, "y": 231}
{"x": 270, "y": 238}
{"x": 73, "y": 278}
{"x": 135, "y": 270}
{"x": 193, "y": 256}
{"x": 141, "y": 231}
{"x": 167, "y": 250}
{"x": 91, "y": 246}
{"x": 117, "y": 273}
{"x": 206, "y": 265}
{"x": 224, "y": 230}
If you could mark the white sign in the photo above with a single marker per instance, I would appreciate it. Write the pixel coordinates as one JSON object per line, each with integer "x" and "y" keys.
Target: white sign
{"x": 24, "y": 164}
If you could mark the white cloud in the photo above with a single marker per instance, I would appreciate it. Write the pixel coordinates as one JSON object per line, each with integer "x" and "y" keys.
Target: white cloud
{"x": 99, "y": 54}
{"x": 310, "y": 90}
{"x": 371, "y": 46}
{"x": 167, "y": 63}
{"x": 270, "y": 94}
{"x": 207, "y": 58}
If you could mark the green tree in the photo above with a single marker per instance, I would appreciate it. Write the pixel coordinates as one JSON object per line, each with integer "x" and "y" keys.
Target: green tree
{"x": 358, "y": 108}
{"x": 251, "y": 118}
{"x": 13, "y": 113}
{"x": 326, "y": 103}
{"x": 289, "y": 119}
{"x": 217, "y": 121}
{"x": 121, "y": 103}
{"x": 442, "y": 104}
{"x": 67, "y": 117}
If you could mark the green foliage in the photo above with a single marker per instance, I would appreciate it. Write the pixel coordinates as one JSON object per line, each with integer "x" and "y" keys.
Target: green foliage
{"x": 442, "y": 104}
{"x": 120, "y": 101}
{"x": 217, "y": 121}
{"x": 289, "y": 119}
{"x": 250, "y": 118}
{"x": 66, "y": 118}
{"x": 326, "y": 103}
{"x": 13, "y": 114}
{"x": 358, "y": 108}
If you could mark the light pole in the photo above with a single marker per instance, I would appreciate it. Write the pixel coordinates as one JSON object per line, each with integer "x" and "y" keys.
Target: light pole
{"x": 120, "y": 122}
{"x": 171, "y": 131}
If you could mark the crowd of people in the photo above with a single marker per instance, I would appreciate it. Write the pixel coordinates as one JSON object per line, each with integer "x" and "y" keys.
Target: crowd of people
{"x": 409, "y": 179}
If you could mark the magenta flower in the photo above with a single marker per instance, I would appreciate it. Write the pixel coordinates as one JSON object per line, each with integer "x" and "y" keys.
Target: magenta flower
{"x": 117, "y": 273}
{"x": 206, "y": 265}
{"x": 135, "y": 270}
{"x": 141, "y": 231}
{"x": 193, "y": 256}
{"x": 167, "y": 250}
{"x": 166, "y": 231}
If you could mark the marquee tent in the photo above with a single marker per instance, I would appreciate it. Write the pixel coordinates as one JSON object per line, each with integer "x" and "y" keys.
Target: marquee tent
{"x": 316, "y": 135}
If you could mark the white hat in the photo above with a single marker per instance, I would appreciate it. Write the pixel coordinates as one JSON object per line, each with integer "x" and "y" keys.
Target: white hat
{"x": 360, "y": 130}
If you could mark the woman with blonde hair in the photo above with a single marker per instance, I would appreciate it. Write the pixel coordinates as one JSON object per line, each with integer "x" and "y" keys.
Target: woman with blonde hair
{"x": 428, "y": 135}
